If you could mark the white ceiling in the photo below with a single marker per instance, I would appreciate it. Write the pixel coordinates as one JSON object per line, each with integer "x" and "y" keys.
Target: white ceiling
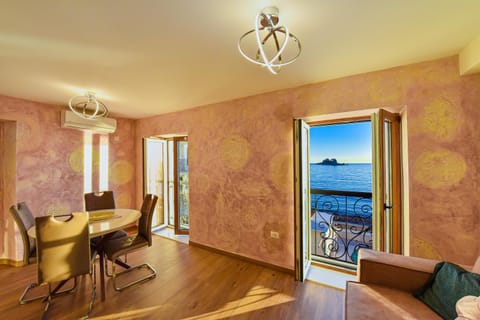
{"x": 148, "y": 57}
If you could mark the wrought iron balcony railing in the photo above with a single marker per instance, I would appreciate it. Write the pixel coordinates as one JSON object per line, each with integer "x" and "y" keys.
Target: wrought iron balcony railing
{"x": 341, "y": 224}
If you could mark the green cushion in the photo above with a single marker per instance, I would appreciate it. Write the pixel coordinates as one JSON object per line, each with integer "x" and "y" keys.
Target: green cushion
{"x": 447, "y": 285}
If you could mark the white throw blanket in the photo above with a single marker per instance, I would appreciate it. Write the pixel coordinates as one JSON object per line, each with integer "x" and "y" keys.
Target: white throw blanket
{"x": 468, "y": 308}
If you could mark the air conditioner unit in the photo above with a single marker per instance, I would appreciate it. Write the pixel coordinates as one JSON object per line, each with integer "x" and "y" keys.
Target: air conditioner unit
{"x": 100, "y": 125}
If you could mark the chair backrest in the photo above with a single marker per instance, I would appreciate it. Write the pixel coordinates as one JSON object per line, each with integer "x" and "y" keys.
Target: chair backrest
{"x": 63, "y": 247}
{"x": 145, "y": 222}
{"x": 25, "y": 220}
{"x": 99, "y": 200}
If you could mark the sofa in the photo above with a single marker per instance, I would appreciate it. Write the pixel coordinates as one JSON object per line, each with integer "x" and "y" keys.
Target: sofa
{"x": 385, "y": 285}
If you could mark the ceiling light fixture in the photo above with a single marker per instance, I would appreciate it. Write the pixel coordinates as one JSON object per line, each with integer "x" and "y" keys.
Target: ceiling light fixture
{"x": 271, "y": 51}
{"x": 88, "y": 106}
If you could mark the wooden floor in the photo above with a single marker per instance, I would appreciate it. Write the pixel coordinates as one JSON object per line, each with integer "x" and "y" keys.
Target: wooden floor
{"x": 192, "y": 283}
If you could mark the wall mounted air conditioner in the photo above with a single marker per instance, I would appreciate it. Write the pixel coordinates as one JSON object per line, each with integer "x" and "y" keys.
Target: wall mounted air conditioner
{"x": 100, "y": 125}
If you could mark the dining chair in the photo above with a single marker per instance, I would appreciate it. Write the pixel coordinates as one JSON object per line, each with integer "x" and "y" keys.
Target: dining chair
{"x": 63, "y": 253}
{"x": 117, "y": 247}
{"x": 25, "y": 220}
{"x": 99, "y": 200}
{"x": 103, "y": 200}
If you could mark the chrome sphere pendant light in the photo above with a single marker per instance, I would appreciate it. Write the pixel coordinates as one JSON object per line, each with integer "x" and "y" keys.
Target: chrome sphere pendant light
{"x": 271, "y": 51}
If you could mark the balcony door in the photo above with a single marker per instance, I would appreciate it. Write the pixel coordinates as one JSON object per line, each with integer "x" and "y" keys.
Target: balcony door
{"x": 302, "y": 200}
{"x": 166, "y": 175}
{"x": 154, "y": 150}
{"x": 354, "y": 197}
{"x": 387, "y": 177}
{"x": 180, "y": 152}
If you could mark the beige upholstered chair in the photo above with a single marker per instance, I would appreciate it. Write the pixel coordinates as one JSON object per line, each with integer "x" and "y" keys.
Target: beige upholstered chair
{"x": 118, "y": 247}
{"x": 63, "y": 252}
{"x": 25, "y": 220}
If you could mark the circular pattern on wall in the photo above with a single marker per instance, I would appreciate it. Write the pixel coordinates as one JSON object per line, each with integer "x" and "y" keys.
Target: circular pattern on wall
{"x": 281, "y": 170}
{"x": 441, "y": 119}
{"x": 122, "y": 200}
{"x": 76, "y": 160}
{"x": 235, "y": 152}
{"x": 121, "y": 172}
{"x": 439, "y": 168}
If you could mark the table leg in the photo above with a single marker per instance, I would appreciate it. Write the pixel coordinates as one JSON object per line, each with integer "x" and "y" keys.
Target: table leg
{"x": 101, "y": 261}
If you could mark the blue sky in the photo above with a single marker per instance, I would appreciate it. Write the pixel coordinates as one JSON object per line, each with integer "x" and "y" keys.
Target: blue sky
{"x": 346, "y": 142}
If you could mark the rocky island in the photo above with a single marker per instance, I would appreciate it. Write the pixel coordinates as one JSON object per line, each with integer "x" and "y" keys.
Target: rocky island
{"x": 330, "y": 162}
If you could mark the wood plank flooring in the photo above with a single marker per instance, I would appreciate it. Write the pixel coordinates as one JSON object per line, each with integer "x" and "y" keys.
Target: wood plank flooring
{"x": 192, "y": 284}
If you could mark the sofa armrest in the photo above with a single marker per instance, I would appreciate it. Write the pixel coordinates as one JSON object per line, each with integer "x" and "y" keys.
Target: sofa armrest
{"x": 393, "y": 270}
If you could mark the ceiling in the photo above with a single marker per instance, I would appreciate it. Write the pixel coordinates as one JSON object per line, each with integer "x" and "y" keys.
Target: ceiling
{"x": 148, "y": 57}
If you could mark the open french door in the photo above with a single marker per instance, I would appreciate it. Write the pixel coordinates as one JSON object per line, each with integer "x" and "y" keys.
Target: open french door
{"x": 154, "y": 175}
{"x": 302, "y": 200}
{"x": 387, "y": 217}
{"x": 180, "y": 154}
{"x": 166, "y": 175}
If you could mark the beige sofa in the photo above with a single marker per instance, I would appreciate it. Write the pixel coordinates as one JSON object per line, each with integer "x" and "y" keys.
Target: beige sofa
{"x": 384, "y": 287}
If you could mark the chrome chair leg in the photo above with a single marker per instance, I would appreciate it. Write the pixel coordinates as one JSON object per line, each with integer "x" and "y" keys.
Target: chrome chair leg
{"x": 55, "y": 292}
{"x": 22, "y": 299}
{"x": 152, "y": 274}
{"x": 93, "y": 279}
{"x": 49, "y": 301}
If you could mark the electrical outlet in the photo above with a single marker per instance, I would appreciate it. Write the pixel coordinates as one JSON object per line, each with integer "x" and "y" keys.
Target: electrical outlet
{"x": 274, "y": 235}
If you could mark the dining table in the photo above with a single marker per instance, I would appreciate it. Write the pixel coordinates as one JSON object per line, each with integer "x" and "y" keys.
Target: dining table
{"x": 103, "y": 223}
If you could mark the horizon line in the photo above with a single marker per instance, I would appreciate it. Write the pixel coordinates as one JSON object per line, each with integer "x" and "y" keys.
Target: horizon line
{"x": 320, "y": 162}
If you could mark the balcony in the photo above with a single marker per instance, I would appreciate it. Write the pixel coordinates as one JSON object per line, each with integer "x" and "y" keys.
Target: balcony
{"x": 341, "y": 224}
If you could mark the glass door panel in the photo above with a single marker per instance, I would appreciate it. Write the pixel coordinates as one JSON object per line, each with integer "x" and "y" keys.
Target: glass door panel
{"x": 387, "y": 177}
{"x": 387, "y": 195}
{"x": 171, "y": 183}
{"x": 182, "y": 221}
{"x": 392, "y": 181}
{"x": 154, "y": 175}
{"x": 302, "y": 200}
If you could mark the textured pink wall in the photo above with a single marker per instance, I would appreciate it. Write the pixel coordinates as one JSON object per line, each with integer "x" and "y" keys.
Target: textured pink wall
{"x": 49, "y": 175}
{"x": 241, "y": 159}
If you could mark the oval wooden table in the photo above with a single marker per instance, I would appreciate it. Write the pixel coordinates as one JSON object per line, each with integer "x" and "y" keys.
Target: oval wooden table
{"x": 103, "y": 223}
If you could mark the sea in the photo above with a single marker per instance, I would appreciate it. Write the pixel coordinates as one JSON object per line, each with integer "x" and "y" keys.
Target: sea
{"x": 347, "y": 177}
